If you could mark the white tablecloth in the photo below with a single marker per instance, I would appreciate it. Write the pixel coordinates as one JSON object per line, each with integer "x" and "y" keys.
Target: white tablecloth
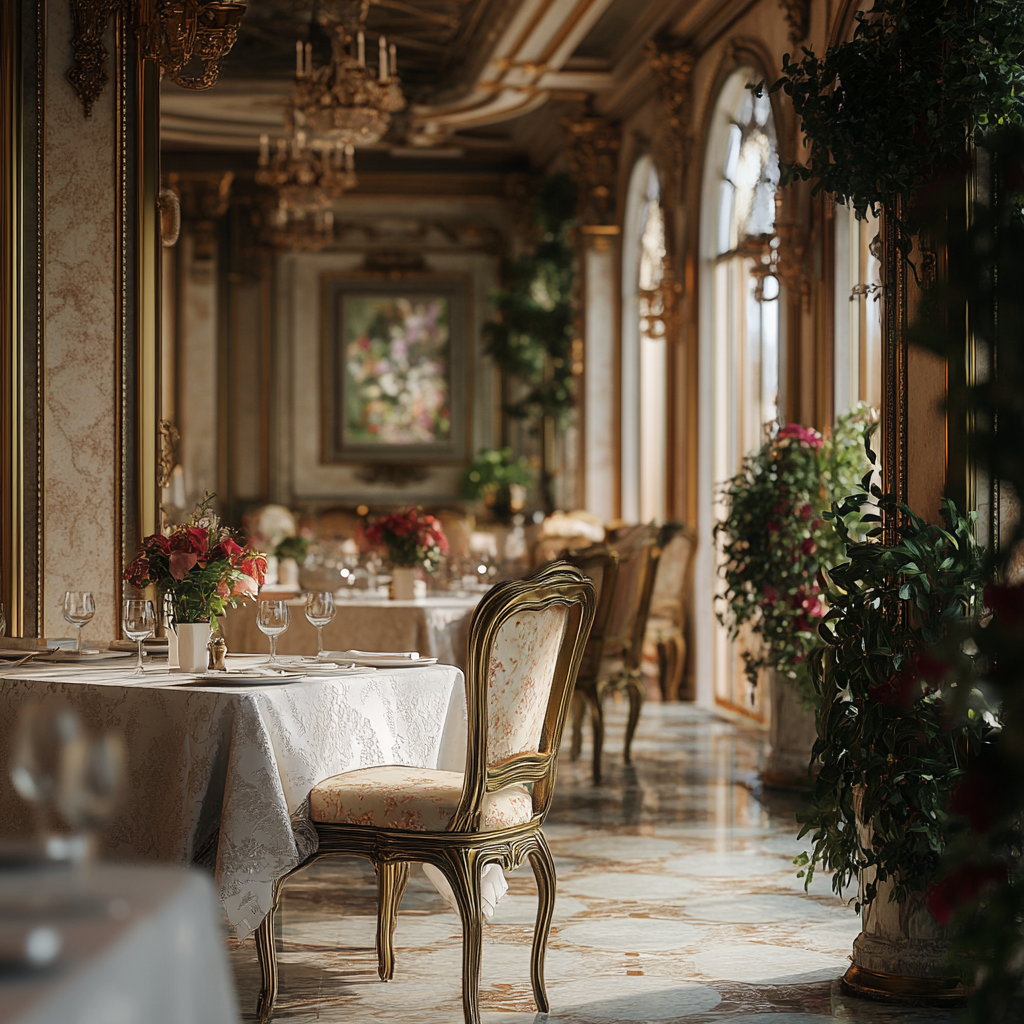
{"x": 139, "y": 944}
{"x": 232, "y": 767}
{"x": 436, "y": 626}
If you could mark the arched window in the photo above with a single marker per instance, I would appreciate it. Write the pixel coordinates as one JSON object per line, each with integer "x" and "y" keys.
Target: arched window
{"x": 858, "y": 312}
{"x": 740, "y": 329}
{"x": 644, "y": 369}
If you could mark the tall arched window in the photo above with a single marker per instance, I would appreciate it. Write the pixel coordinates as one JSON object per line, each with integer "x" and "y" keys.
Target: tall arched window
{"x": 644, "y": 369}
{"x": 740, "y": 329}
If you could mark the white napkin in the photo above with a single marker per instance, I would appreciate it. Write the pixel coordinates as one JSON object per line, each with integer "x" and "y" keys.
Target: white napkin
{"x": 492, "y": 887}
{"x": 376, "y": 655}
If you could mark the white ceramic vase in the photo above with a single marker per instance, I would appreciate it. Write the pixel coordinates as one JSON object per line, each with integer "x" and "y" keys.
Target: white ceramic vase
{"x": 403, "y": 583}
{"x": 288, "y": 572}
{"x": 193, "y": 637}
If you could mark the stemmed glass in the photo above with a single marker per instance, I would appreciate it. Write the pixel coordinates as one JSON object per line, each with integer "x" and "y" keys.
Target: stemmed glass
{"x": 79, "y": 608}
{"x": 272, "y": 618}
{"x": 138, "y": 622}
{"x": 320, "y": 611}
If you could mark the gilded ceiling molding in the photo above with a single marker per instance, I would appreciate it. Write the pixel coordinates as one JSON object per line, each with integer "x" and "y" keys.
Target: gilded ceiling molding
{"x": 592, "y": 148}
{"x": 88, "y": 73}
{"x": 798, "y": 14}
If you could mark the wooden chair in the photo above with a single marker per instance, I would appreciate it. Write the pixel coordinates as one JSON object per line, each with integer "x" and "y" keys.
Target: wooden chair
{"x": 526, "y": 643}
{"x": 665, "y": 636}
{"x": 600, "y": 563}
{"x": 638, "y": 552}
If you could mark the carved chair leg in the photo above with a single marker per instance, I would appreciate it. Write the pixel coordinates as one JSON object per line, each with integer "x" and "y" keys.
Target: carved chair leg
{"x": 635, "y": 689}
{"x": 597, "y": 723}
{"x": 462, "y": 869}
{"x": 676, "y": 681}
{"x": 266, "y": 954}
{"x": 578, "y": 707}
{"x": 544, "y": 871}
{"x": 391, "y": 882}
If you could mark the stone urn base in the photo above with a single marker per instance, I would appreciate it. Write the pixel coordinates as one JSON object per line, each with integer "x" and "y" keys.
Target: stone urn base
{"x": 791, "y": 736}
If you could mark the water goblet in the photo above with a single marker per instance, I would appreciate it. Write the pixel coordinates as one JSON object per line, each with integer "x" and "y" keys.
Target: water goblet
{"x": 79, "y": 608}
{"x": 272, "y": 619}
{"x": 138, "y": 622}
{"x": 320, "y": 610}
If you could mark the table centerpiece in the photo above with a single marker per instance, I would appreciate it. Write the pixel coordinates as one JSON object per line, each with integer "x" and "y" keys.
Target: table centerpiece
{"x": 203, "y": 569}
{"x": 412, "y": 540}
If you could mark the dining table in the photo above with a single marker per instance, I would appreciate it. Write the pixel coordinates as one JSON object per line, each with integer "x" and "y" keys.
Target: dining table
{"x": 218, "y": 774}
{"x": 436, "y": 626}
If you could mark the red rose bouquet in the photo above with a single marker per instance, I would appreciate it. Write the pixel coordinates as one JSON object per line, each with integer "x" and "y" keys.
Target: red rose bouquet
{"x": 410, "y": 538}
{"x": 201, "y": 565}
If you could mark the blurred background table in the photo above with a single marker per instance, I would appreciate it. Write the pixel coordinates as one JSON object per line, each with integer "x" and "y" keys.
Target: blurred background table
{"x": 137, "y": 944}
{"x": 437, "y": 626}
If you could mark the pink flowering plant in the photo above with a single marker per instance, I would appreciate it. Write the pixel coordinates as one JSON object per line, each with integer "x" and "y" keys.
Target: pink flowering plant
{"x": 411, "y": 538}
{"x": 774, "y": 539}
{"x": 201, "y": 565}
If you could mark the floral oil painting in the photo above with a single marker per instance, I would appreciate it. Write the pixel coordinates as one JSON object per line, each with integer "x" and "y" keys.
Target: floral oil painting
{"x": 397, "y": 352}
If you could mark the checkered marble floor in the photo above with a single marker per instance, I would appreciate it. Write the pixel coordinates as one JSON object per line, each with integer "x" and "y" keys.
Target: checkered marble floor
{"x": 678, "y": 903}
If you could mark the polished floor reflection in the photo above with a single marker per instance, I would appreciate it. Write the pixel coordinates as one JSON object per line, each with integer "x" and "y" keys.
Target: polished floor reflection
{"x": 677, "y": 902}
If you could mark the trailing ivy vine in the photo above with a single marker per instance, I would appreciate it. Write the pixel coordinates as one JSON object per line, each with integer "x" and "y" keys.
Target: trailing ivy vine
{"x": 884, "y": 112}
{"x": 531, "y": 337}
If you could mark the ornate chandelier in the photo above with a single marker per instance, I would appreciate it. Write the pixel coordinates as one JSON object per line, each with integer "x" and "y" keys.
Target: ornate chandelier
{"x": 307, "y": 178}
{"x": 347, "y": 101}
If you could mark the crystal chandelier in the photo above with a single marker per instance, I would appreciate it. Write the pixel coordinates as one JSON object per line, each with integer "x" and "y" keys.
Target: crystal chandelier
{"x": 348, "y": 101}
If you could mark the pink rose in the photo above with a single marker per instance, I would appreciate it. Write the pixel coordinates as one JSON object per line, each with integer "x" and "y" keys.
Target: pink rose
{"x": 245, "y": 586}
{"x": 181, "y": 563}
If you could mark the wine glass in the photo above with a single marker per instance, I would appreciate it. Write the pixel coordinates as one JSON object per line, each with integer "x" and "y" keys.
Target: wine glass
{"x": 272, "y": 618}
{"x": 138, "y": 622}
{"x": 92, "y": 781}
{"x": 79, "y": 608}
{"x": 320, "y": 611}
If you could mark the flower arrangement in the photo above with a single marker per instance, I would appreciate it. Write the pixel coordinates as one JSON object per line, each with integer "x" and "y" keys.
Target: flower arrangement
{"x": 200, "y": 564}
{"x": 498, "y": 479}
{"x": 410, "y": 538}
{"x": 296, "y": 547}
{"x": 775, "y": 539}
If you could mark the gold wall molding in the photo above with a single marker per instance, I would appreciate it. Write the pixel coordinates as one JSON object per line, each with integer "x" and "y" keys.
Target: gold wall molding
{"x": 672, "y": 65}
{"x": 88, "y": 72}
{"x": 592, "y": 149}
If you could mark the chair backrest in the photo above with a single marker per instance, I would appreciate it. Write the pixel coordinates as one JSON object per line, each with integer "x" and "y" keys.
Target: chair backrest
{"x": 638, "y": 562}
{"x": 600, "y": 564}
{"x": 674, "y": 579}
{"x": 526, "y": 642}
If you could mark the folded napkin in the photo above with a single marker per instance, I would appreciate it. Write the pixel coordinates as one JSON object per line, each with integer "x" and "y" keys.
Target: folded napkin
{"x": 391, "y": 655}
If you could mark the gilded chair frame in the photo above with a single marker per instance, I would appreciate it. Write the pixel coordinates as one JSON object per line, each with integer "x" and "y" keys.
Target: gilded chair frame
{"x": 630, "y": 641}
{"x": 463, "y": 850}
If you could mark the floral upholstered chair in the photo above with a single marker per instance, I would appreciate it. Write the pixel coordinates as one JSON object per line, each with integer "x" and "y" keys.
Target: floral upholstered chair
{"x": 526, "y": 643}
{"x": 638, "y": 552}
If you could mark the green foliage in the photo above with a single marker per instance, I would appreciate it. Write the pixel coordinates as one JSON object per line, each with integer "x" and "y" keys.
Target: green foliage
{"x": 887, "y": 110}
{"x": 491, "y": 477}
{"x": 531, "y": 339}
{"x": 774, "y": 539}
{"x": 883, "y": 677}
{"x": 293, "y": 547}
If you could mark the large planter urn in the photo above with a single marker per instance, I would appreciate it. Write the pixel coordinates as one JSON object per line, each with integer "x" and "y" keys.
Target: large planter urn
{"x": 193, "y": 639}
{"x": 791, "y": 736}
{"x": 403, "y": 583}
{"x": 901, "y": 954}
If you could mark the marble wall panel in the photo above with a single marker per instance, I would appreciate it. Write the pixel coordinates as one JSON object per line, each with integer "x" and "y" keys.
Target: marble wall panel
{"x": 81, "y": 524}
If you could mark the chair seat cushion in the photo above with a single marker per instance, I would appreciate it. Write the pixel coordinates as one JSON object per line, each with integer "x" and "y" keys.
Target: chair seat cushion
{"x": 417, "y": 799}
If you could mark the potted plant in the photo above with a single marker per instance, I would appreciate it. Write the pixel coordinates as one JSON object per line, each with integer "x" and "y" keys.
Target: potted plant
{"x": 892, "y": 751}
{"x": 204, "y": 569}
{"x": 291, "y": 554}
{"x": 773, "y": 541}
{"x": 412, "y": 540}
{"x": 499, "y": 480}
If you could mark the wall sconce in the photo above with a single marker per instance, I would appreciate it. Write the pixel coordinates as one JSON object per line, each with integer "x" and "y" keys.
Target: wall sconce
{"x": 170, "y": 32}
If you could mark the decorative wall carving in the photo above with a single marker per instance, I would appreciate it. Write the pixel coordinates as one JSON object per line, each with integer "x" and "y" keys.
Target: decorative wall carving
{"x": 205, "y": 197}
{"x": 592, "y": 148}
{"x": 798, "y": 14}
{"x": 88, "y": 73}
{"x": 672, "y": 65}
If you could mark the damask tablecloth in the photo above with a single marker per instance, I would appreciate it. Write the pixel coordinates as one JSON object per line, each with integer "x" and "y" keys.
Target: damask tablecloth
{"x": 436, "y": 626}
{"x": 224, "y": 772}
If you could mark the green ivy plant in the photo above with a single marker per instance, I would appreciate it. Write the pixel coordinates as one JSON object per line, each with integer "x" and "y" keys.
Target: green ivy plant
{"x": 774, "y": 539}
{"x": 531, "y": 337}
{"x": 884, "y": 112}
{"x": 883, "y": 676}
{"x": 491, "y": 477}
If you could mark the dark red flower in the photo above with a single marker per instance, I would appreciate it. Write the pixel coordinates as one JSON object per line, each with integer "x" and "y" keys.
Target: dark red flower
{"x": 806, "y": 512}
{"x": 255, "y": 565}
{"x": 181, "y": 563}
{"x": 808, "y": 546}
{"x": 228, "y": 549}
{"x": 774, "y": 526}
{"x": 805, "y": 435}
{"x": 157, "y": 542}
{"x": 771, "y": 595}
{"x": 901, "y": 689}
{"x": 137, "y": 574}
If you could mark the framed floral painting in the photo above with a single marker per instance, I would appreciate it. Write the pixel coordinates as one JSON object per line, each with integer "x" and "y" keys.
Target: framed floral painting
{"x": 395, "y": 355}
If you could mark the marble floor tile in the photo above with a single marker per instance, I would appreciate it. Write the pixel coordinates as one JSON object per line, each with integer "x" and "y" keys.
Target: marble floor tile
{"x": 678, "y": 903}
